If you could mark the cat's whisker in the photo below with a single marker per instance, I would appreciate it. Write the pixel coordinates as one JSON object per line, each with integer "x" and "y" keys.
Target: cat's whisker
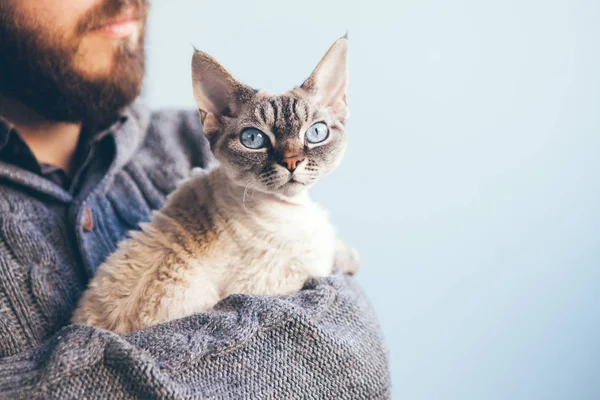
{"x": 248, "y": 186}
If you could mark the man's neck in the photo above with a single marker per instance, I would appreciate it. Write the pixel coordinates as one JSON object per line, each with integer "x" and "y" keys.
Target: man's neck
{"x": 52, "y": 143}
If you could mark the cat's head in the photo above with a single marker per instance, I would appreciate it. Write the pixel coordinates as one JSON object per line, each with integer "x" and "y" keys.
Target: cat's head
{"x": 275, "y": 143}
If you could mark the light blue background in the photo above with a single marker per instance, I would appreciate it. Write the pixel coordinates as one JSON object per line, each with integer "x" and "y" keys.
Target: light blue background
{"x": 471, "y": 184}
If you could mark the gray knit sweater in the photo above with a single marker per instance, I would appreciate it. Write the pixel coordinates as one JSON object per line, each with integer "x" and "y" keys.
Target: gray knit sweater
{"x": 320, "y": 343}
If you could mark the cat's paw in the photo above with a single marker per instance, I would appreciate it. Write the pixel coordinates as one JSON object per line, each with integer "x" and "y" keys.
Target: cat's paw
{"x": 347, "y": 259}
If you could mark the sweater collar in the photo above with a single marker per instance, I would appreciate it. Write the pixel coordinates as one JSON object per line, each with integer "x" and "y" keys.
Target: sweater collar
{"x": 128, "y": 130}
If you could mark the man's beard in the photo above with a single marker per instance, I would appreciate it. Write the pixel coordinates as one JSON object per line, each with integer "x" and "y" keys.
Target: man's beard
{"x": 37, "y": 71}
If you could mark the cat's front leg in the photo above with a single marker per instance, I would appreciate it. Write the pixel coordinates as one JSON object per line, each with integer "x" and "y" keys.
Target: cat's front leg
{"x": 346, "y": 258}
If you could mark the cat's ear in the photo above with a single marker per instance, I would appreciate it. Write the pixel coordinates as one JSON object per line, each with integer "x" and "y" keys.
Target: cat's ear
{"x": 217, "y": 92}
{"x": 329, "y": 81}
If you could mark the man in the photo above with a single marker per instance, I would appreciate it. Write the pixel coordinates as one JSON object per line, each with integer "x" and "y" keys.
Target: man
{"x": 81, "y": 163}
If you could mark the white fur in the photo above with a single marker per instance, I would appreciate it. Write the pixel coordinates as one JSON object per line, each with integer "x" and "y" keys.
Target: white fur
{"x": 257, "y": 243}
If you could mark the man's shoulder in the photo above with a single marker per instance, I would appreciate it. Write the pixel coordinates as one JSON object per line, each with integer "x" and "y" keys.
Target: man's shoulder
{"x": 175, "y": 124}
{"x": 178, "y": 132}
{"x": 173, "y": 144}
{"x": 169, "y": 120}
{"x": 166, "y": 122}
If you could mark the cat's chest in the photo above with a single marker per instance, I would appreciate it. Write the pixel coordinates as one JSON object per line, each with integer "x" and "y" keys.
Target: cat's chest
{"x": 281, "y": 253}
{"x": 299, "y": 231}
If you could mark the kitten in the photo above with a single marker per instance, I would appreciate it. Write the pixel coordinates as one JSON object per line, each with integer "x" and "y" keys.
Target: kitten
{"x": 247, "y": 225}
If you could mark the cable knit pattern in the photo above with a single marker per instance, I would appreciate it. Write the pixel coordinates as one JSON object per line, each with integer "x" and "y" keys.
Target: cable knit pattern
{"x": 321, "y": 343}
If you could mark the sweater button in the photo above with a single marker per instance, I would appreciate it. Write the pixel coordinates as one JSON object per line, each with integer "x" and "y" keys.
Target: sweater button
{"x": 87, "y": 222}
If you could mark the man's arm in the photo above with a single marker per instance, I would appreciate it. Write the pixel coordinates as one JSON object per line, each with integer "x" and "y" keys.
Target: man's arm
{"x": 322, "y": 342}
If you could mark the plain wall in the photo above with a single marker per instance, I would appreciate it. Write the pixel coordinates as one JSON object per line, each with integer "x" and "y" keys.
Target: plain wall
{"x": 471, "y": 183}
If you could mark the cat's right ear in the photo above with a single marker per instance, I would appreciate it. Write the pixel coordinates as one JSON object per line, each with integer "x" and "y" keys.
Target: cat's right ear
{"x": 217, "y": 92}
{"x": 329, "y": 81}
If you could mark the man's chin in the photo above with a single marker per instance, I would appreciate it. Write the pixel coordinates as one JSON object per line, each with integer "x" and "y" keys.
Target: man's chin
{"x": 70, "y": 84}
{"x": 101, "y": 59}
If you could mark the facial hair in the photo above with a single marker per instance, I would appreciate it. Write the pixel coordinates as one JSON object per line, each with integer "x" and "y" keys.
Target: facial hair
{"x": 37, "y": 68}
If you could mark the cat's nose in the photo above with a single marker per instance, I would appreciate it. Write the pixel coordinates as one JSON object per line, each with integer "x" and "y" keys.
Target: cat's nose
{"x": 291, "y": 162}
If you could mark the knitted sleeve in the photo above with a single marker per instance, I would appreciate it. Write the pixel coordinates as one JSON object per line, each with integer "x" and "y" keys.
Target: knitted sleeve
{"x": 320, "y": 343}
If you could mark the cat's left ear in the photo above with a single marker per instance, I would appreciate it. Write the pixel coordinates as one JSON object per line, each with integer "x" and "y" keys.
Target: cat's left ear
{"x": 329, "y": 81}
{"x": 217, "y": 92}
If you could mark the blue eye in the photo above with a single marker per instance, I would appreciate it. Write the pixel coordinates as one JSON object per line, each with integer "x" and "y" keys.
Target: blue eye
{"x": 253, "y": 138}
{"x": 317, "y": 133}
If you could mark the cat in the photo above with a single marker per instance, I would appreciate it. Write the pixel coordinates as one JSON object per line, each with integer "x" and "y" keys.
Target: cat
{"x": 246, "y": 225}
